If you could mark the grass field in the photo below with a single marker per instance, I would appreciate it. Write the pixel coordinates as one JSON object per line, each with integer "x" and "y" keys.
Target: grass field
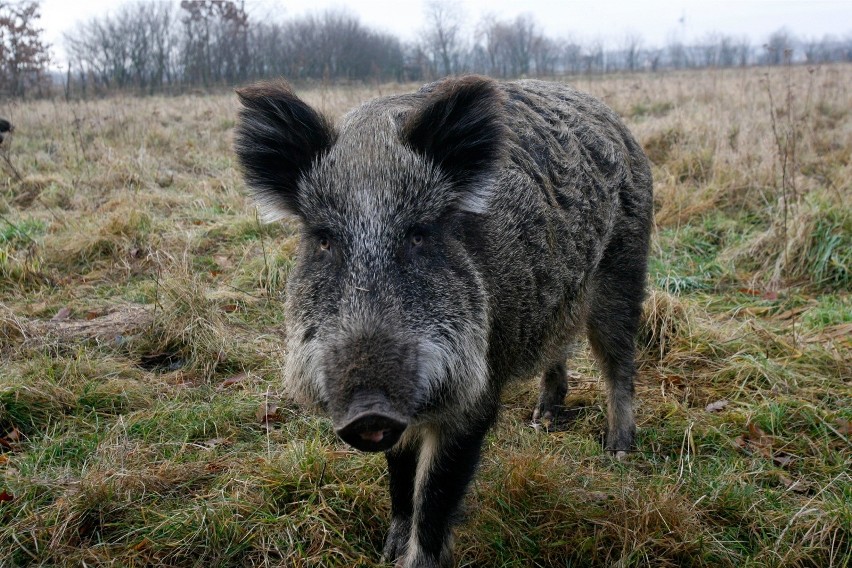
{"x": 141, "y": 321}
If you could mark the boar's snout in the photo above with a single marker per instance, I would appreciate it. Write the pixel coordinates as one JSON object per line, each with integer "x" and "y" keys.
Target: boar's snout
{"x": 371, "y": 424}
{"x": 373, "y": 385}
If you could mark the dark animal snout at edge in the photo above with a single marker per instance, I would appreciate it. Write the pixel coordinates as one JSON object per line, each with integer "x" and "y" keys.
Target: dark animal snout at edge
{"x": 371, "y": 424}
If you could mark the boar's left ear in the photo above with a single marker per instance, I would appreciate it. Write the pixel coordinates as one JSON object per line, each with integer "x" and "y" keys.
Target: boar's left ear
{"x": 278, "y": 138}
{"x": 461, "y": 128}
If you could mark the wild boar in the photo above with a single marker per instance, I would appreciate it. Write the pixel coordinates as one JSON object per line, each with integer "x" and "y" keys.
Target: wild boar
{"x": 452, "y": 240}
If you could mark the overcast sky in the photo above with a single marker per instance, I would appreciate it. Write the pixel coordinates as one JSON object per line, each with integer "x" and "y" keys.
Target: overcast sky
{"x": 655, "y": 20}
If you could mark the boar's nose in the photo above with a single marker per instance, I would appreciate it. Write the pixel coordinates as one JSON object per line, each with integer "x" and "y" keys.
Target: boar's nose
{"x": 371, "y": 424}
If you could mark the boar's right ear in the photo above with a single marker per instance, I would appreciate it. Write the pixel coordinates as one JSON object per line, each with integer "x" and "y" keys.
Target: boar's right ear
{"x": 278, "y": 138}
{"x": 461, "y": 128}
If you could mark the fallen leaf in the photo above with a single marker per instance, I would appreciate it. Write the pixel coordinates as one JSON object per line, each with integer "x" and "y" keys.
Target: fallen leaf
{"x": 798, "y": 485}
{"x": 10, "y": 439}
{"x": 674, "y": 380}
{"x": 93, "y": 314}
{"x": 755, "y": 440}
{"x": 770, "y": 295}
{"x": 758, "y": 442}
{"x": 230, "y": 381}
{"x": 840, "y": 330}
{"x": 62, "y": 314}
{"x": 791, "y": 313}
{"x": 229, "y": 308}
{"x": 334, "y": 454}
{"x": 213, "y": 442}
{"x": 266, "y": 414}
{"x": 750, "y": 291}
{"x": 716, "y": 406}
{"x": 4, "y": 458}
{"x": 756, "y": 310}
{"x": 756, "y": 435}
{"x": 844, "y": 426}
{"x": 781, "y": 459}
{"x": 6, "y": 496}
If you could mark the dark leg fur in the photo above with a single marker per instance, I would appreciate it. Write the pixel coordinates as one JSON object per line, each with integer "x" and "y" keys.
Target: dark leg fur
{"x": 554, "y": 387}
{"x": 439, "y": 499}
{"x": 402, "y": 468}
{"x": 428, "y": 485}
{"x": 614, "y": 319}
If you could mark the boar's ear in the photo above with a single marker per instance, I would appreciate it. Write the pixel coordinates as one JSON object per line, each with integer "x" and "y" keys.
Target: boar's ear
{"x": 278, "y": 138}
{"x": 461, "y": 128}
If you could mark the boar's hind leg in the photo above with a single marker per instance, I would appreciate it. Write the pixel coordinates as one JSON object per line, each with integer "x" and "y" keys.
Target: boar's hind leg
{"x": 614, "y": 317}
{"x": 554, "y": 387}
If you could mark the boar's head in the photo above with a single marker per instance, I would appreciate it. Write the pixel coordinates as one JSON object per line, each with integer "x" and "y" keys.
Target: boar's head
{"x": 387, "y": 315}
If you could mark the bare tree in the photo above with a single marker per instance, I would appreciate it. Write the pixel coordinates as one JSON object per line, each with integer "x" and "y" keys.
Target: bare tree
{"x": 677, "y": 53}
{"x": 595, "y": 57}
{"x": 632, "y": 46}
{"x": 136, "y": 48}
{"x": 216, "y": 41}
{"x": 572, "y": 56}
{"x": 546, "y": 53}
{"x": 333, "y": 45}
{"x": 442, "y": 35}
{"x": 825, "y": 50}
{"x": 778, "y": 48}
{"x": 516, "y": 48}
{"x": 522, "y": 37}
{"x": 487, "y": 37}
{"x": 24, "y": 57}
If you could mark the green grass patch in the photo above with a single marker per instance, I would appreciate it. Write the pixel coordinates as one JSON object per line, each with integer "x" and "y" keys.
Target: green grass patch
{"x": 21, "y": 233}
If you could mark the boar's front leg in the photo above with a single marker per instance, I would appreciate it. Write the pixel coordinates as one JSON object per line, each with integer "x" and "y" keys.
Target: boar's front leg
{"x": 446, "y": 462}
{"x": 402, "y": 469}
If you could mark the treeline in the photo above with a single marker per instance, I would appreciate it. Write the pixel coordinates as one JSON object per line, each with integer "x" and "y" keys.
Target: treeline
{"x": 158, "y": 46}
{"x": 169, "y": 47}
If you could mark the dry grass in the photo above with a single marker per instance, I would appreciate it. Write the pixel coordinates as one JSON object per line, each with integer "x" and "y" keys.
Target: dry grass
{"x": 140, "y": 332}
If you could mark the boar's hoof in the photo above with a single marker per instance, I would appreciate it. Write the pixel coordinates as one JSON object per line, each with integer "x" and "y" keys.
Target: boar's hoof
{"x": 540, "y": 415}
{"x": 396, "y": 543}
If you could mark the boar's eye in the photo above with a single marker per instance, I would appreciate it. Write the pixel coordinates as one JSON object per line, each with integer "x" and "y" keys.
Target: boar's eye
{"x": 416, "y": 241}
{"x": 324, "y": 243}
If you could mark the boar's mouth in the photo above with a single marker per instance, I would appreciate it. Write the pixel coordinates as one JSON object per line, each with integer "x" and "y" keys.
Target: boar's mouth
{"x": 371, "y": 424}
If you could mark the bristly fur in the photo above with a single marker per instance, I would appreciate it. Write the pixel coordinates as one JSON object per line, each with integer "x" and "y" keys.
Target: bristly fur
{"x": 277, "y": 140}
{"x": 461, "y": 128}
